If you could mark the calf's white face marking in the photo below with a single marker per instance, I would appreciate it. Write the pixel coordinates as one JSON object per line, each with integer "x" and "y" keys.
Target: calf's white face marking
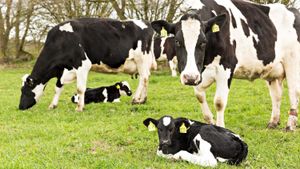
{"x": 66, "y": 27}
{"x": 166, "y": 121}
{"x": 191, "y": 32}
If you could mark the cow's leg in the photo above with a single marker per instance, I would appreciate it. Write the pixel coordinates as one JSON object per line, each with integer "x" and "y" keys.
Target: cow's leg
{"x": 58, "y": 89}
{"x": 207, "y": 114}
{"x": 275, "y": 89}
{"x": 292, "y": 76}
{"x": 173, "y": 65}
{"x": 143, "y": 63}
{"x": 223, "y": 79}
{"x": 82, "y": 75}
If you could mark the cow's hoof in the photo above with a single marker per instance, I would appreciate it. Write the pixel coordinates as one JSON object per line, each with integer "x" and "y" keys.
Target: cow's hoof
{"x": 79, "y": 109}
{"x": 52, "y": 107}
{"x": 289, "y": 129}
{"x": 272, "y": 125}
{"x": 139, "y": 101}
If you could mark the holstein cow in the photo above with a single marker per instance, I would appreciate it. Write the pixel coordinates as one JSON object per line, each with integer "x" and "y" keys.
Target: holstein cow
{"x": 73, "y": 46}
{"x": 105, "y": 94}
{"x": 164, "y": 48}
{"x": 223, "y": 39}
{"x": 196, "y": 142}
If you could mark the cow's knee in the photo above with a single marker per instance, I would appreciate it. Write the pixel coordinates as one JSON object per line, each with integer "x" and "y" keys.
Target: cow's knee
{"x": 200, "y": 98}
{"x": 219, "y": 104}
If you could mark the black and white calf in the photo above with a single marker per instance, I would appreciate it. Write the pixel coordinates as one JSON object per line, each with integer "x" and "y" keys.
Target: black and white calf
{"x": 221, "y": 39}
{"x": 105, "y": 94}
{"x": 196, "y": 142}
{"x": 73, "y": 46}
{"x": 164, "y": 49}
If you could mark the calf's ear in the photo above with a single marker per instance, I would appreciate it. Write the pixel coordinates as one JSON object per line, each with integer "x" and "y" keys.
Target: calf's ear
{"x": 150, "y": 124}
{"x": 161, "y": 25}
{"x": 215, "y": 24}
{"x": 183, "y": 125}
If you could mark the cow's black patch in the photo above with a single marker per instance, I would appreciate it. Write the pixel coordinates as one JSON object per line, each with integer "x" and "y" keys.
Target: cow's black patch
{"x": 296, "y": 22}
{"x": 263, "y": 27}
{"x": 233, "y": 20}
{"x": 245, "y": 28}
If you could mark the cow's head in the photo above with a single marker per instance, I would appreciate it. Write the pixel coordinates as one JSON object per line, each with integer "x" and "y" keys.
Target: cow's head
{"x": 124, "y": 88}
{"x": 191, "y": 36}
{"x": 167, "y": 128}
{"x": 31, "y": 91}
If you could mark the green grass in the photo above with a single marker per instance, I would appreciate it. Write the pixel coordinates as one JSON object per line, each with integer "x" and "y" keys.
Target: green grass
{"x": 113, "y": 136}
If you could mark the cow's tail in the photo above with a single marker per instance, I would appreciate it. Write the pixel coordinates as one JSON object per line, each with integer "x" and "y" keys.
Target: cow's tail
{"x": 74, "y": 98}
{"x": 241, "y": 155}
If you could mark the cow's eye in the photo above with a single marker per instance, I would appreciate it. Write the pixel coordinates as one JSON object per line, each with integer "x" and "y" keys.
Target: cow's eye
{"x": 177, "y": 43}
{"x": 170, "y": 129}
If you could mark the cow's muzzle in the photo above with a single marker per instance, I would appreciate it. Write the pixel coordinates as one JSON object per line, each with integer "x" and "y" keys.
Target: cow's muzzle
{"x": 190, "y": 79}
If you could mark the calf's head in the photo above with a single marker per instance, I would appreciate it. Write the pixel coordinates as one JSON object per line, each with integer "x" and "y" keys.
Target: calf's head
{"x": 31, "y": 91}
{"x": 191, "y": 36}
{"x": 124, "y": 88}
{"x": 167, "y": 128}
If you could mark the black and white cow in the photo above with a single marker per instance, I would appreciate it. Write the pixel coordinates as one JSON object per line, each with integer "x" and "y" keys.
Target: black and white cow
{"x": 73, "y": 46}
{"x": 196, "y": 142}
{"x": 105, "y": 93}
{"x": 164, "y": 48}
{"x": 222, "y": 39}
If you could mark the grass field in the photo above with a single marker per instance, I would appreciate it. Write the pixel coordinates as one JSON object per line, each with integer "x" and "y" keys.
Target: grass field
{"x": 113, "y": 136}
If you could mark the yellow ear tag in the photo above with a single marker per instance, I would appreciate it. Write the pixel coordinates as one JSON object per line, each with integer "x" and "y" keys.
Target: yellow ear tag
{"x": 151, "y": 127}
{"x": 118, "y": 87}
{"x": 163, "y": 32}
{"x": 182, "y": 128}
{"x": 215, "y": 28}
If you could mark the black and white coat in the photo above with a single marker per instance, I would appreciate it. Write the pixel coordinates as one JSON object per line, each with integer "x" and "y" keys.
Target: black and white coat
{"x": 217, "y": 40}
{"x": 73, "y": 46}
{"x": 196, "y": 142}
{"x": 105, "y": 93}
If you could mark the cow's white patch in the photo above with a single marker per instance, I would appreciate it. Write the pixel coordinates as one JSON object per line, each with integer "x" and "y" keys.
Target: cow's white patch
{"x": 38, "y": 91}
{"x": 143, "y": 62}
{"x": 68, "y": 76}
{"x": 117, "y": 100}
{"x": 191, "y": 32}
{"x": 166, "y": 121}
{"x": 66, "y": 27}
{"x": 76, "y": 99}
{"x": 161, "y": 154}
{"x": 191, "y": 122}
{"x": 139, "y": 23}
{"x": 24, "y": 79}
{"x": 222, "y": 160}
{"x": 125, "y": 83}
{"x": 191, "y": 4}
{"x": 206, "y": 157}
{"x": 82, "y": 75}
{"x": 238, "y": 136}
{"x": 58, "y": 91}
{"x": 173, "y": 65}
{"x": 104, "y": 93}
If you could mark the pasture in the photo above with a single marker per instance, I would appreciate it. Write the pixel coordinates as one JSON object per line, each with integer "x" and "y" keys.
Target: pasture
{"x": 113, "y": 136}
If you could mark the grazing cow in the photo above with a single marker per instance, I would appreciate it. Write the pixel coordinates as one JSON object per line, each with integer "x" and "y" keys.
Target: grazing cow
{"x": 105, "y": 94}
{"x": 73, "y": 46}
{"x": 196, "y": 142}
{"x": 164, "y": 48}
{"x": 222, "y": 39}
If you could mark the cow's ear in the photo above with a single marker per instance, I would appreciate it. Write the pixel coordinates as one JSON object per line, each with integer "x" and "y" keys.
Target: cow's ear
{"x": 151, "y": 124}
{"x": 161, "y": 25}
{"x": 183, "y": 125}
{"x": 215, "y": 24}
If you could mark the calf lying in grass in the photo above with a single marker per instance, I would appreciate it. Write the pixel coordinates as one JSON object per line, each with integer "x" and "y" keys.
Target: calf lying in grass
{"x": 105, "y": 94}
{"x": 196, "y": 142}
